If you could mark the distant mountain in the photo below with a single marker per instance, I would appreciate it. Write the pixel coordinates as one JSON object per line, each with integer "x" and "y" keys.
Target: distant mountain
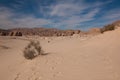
{"x": 38, "y": 31}
{"x": 54, "y": 31}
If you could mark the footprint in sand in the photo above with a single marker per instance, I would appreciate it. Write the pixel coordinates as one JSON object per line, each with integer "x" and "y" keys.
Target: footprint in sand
{"x": 56, "y": 74}
{"x": 17, "y": 76}
{"x": 35, "y": 76}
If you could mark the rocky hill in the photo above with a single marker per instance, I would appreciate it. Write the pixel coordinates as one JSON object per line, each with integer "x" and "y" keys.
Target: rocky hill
{"x": 56, "y": 32}
{"x": 38, "y": 31}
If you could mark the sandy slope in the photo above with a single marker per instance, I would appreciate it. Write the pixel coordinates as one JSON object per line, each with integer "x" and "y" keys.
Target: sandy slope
{"x": 70, "y": 58}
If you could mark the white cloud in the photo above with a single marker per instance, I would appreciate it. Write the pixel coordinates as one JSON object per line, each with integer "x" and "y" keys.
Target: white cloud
{"x": 92, "y": 13}
{"x": 72, "y": 7}
{"x": 66, "y": 9}
{"x": 31, "y": 21}
{"x": 75, "y": 20}
{"x": 5, "y": 15}
{"x": 7, "y": 20}
{"x": 69, "y": 14}
{"x": 112, "y": 14}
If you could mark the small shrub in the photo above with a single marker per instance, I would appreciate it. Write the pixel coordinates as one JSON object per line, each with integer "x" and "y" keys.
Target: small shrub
{"x": 108, "y": 28}
{"x": 32, "y": 50}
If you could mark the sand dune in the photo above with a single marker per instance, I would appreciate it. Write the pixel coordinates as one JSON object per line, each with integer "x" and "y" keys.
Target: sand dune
{"x": 69, "y": 58}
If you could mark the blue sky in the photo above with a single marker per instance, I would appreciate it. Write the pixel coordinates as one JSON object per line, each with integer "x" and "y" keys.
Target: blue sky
{"x": 61, "y": 14}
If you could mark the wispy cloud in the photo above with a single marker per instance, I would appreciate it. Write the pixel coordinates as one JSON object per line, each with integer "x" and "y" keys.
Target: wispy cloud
{"x": 63, "y": 14}
{"x": 114, "y": 13}
{"x": 70, "y": 14}
{"x": 7, "y": 21}
{"x": 66, "y": 9}
{"x": 77, "y": 20}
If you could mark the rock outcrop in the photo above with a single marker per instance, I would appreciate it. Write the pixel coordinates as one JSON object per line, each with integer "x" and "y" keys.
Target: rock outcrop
{"x": 38, "y": 31}
{"x": 15, "y": 33}
{"x": 56, "y": 32}
{"x": 4, "y": 32}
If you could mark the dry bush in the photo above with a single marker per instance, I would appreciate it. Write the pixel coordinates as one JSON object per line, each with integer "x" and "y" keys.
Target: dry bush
{"x": 108, "y": 28}
{"x": 32, "y": 50}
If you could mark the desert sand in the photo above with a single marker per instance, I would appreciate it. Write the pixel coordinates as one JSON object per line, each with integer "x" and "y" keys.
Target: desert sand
{"x": 69, "y": 58}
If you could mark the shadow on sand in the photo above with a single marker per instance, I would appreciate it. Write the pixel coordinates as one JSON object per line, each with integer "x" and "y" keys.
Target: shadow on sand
{"x": 4, "y": 47}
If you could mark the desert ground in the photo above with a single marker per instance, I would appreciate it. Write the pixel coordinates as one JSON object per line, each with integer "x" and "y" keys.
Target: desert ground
{"x": 69, "y": 58}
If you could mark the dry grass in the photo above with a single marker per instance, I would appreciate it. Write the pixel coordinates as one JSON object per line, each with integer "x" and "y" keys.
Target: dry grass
{"x": 108, "y": 28}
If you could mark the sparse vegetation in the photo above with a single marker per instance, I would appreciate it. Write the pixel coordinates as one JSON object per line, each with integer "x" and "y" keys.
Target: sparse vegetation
{"x": 33, "y": 50}
{"x": 107, "y": 28}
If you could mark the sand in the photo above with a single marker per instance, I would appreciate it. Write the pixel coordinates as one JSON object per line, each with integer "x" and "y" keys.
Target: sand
{"x": 69, "y": 58}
